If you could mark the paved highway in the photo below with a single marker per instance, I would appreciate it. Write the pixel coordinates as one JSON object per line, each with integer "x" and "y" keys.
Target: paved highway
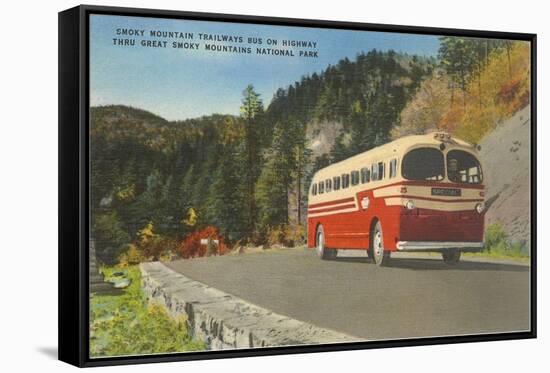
{"x": 413, "y": 297}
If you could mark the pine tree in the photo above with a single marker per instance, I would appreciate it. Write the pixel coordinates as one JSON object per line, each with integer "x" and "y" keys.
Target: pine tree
{"x": 301, "y": 154}
{"x": 457, "y": 57}
{"x": 228, "y": 194}
{"x": 183, "y": 199}
{"x": 275, "y": 180}
{"x": 251, "y": 111}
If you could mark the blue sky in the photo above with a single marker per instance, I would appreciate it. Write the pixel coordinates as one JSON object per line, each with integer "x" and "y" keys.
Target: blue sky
{"x": 182, "y": 83}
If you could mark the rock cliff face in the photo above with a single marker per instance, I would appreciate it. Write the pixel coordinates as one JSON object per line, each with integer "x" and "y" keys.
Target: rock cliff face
{"x": 505, "y": 154}
{"x": 322, "y": 135}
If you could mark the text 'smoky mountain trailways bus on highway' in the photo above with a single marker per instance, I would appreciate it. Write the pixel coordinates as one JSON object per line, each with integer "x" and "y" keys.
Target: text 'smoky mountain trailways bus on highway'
{"x": 418, "y": 193}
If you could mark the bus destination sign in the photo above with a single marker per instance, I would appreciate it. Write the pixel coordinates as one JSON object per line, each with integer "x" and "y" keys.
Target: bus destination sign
{"x": 451, "y": 192}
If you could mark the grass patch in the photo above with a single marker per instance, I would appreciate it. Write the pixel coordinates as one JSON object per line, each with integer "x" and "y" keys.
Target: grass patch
{"x": 499, "y": 245}
{"x": 127, "y": 324}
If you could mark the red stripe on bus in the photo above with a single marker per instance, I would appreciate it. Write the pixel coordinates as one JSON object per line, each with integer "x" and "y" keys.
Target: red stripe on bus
{"x": 432, "y": 199}
{"x": 343, "y": 207}
{"x": 334, "y": 202}
{"x": 431, "y": 184}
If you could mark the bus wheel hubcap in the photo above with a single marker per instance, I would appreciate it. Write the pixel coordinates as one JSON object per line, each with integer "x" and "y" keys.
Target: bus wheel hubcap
{"x": 378, "y": 244}
{"x": 320, "y": 244}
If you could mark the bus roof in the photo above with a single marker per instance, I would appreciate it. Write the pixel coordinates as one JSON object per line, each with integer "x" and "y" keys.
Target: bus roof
{"x": 397, "y": 148}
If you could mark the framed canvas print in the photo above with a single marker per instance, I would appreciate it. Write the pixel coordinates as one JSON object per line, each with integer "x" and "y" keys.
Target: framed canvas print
{"x": 237, "y": 186}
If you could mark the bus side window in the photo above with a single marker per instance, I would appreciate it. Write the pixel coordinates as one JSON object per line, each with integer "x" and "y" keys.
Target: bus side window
{"x": 345, "y": 181}
{"x": 374, "y": 172}
{"x": 336, "y": 182}
{"x": 314, "y": 189}
{"x": 321, "y": 187}
{"x": 365, "y": 175}
{"x": 381, "y": 170}
{"x": 354, "y": 177}
{"x": 328, "y": 185}
{"x": 393, "y": 168}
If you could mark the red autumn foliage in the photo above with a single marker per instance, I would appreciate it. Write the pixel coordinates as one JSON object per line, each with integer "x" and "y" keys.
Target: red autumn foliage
{"x": 513, "y": 95}
{"x": 509, "y": 90}
{"x": 191, "y": 246}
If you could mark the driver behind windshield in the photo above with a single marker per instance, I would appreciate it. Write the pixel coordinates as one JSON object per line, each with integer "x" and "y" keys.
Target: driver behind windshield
{"x": 452, "y": 170}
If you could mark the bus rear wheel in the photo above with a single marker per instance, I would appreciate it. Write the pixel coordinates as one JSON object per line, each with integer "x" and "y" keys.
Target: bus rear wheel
{"x": 380, "y": 256}
{"x": 320, "y": 249}
{"x": 451, "y": 257}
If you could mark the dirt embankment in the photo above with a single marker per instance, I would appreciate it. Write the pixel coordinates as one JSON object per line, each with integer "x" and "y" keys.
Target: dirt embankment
{"x": 505, "y": 154}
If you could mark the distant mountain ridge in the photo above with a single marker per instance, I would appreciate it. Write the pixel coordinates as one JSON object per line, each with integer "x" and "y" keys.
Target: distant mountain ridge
{"x": 351, "y": 106}
{"x": 111, "y": 113}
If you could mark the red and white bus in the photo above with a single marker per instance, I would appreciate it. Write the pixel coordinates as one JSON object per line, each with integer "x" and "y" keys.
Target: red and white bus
{"x": 418, "y": 193}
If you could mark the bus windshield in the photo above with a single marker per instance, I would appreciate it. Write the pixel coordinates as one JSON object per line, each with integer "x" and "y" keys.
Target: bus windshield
{"x": 424, "y": 164}
{"x": 463, "y": 167}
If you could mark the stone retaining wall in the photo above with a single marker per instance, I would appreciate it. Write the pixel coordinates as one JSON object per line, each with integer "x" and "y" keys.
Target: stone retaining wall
{"x": 224, "y": 321}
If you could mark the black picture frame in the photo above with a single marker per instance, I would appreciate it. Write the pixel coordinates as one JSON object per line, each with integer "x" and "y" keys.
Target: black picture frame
{"x": 74, "y": 180}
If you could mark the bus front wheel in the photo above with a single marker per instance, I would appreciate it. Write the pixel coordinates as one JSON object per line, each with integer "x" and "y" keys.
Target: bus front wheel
{"x": 320, "y": 249}
{"x": 451, "y": 257}
{"x": 380, "y": 256}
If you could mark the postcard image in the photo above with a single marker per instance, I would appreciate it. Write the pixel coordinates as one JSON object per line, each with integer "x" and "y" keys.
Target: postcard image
{"x": 260, "y": 185}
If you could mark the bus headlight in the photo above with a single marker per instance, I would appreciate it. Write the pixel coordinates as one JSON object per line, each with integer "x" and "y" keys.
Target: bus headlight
{"x": 409, "y": 205}
{"x": 480, "y": 207}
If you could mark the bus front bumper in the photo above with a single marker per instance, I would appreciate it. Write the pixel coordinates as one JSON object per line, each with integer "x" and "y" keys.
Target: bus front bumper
{"x": 438, "y": 246}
